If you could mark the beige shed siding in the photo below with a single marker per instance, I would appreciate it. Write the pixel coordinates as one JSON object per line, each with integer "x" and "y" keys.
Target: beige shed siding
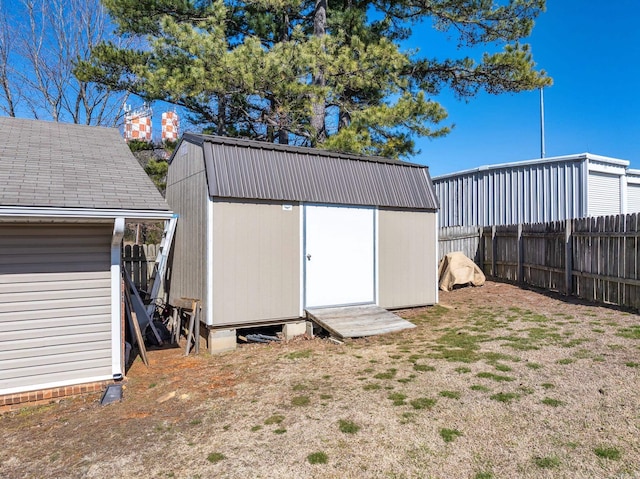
{"x": 55, "y": 314}
{"x": 256, "y": 257}
{"x": 187, "y": 194}
{"x": 407, "y": 258}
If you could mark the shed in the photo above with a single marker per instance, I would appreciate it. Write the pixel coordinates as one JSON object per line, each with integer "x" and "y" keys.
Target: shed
{"x": 65, "y": 193}
{"x": 268, "y": 231}
{"x": 538, "y": 191}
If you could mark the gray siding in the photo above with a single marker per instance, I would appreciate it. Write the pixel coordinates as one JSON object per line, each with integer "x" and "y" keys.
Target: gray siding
{"x": 187, "y": 195}
{"x": 256, "y": 262}
{"x": 55, "y": 313}
{"x": 407, "y": 242}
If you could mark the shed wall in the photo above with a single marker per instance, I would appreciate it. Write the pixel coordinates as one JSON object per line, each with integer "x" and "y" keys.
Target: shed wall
{"x": 187, "y": 195}
{"x": 531, "y": 193}
{"x": 407, "y": 242}
{"x": 256, "y": 258}
{"x": 55, "y": 305}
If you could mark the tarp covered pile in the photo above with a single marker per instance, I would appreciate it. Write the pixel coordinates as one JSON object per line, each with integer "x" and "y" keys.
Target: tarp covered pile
{"x": 457, "y": 269}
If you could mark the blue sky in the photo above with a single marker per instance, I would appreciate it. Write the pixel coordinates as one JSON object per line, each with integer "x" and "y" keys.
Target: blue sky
{"x": 592, "y": 51}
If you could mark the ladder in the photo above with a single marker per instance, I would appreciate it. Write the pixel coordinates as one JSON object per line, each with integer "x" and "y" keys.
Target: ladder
{"x": 160, "y": 266}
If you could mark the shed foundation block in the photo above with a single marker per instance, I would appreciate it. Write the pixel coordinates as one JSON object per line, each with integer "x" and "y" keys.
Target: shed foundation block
{"x": 222, "y": 340}
{"x": 291, "y": 330}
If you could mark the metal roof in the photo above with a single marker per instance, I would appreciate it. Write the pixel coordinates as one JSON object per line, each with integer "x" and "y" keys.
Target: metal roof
{"x": 249, "y": 169}
{"x": 537, "y": 162}
{"x": 61, "y": 165}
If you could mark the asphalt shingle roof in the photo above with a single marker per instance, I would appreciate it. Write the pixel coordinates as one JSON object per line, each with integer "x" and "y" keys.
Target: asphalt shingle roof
{"x": 61, "y": 165}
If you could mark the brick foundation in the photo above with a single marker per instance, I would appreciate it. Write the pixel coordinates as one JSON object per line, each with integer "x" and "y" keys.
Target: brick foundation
{"x": 10, "y": 402}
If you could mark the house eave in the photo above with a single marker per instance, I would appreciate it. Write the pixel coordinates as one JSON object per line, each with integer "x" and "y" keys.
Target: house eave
{"x": 14, "y": 213}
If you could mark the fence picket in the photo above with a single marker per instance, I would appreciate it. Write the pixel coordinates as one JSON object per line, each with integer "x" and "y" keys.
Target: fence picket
{"x": 138, "y": 261}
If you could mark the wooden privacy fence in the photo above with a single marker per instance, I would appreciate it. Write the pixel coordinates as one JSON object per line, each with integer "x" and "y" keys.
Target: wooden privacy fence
{"x": 459, "y": 238}
{"x": 592, "y": 258}
{"x": 138, "y": 260}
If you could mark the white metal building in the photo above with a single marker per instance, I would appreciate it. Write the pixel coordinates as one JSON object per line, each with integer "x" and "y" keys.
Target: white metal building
{"x": 536, "y": 191}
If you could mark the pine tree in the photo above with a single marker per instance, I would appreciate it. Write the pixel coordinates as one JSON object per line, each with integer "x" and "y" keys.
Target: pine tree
{"x": 324, "y": 73}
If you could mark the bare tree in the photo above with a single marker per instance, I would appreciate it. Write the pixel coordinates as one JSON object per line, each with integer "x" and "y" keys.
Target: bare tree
{"x": 40, "y": 43}
{"x": 9, "y": 86}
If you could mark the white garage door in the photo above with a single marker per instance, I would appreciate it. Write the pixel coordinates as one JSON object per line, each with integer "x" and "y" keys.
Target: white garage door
{"x": 604, "y": 194}
{"x": 339, "y": 255}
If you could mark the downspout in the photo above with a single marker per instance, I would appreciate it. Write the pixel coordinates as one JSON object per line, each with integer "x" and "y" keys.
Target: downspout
{"x": 116, "y": 299}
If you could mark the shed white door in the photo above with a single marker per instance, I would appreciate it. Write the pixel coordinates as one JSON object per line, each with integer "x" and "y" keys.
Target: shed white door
{"x": 339, "y": 255}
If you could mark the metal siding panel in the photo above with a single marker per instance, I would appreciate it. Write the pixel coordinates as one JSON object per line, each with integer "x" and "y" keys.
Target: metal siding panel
{"x": 187, "y": 193}
{"x": 39, "y": 317}
{"x": 256, "y": 262}
{"x": 255, "y": 171}
{"x": 407, "y": 242}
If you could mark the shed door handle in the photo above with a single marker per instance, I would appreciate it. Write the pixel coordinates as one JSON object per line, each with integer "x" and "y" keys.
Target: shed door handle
{"x": 308, "y": 257}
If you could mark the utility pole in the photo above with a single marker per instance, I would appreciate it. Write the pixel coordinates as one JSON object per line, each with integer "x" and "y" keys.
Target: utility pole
{"x": 542, "y": 152}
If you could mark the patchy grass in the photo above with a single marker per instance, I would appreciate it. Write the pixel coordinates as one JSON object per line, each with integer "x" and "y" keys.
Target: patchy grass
{"x": 300, "y": 401}
{"x": 494, "y": 377}
{"x": 565, "y": 361}
{"x": 552, "y": 402}
{"x": 388, "y": 374}
{"x": 318, "y": 458}
{"x": 216, "y": 457}
{"x": 630, "y": 333}
{"x": 275, "y": 419}
{"x": 398, "y": 399}
{"x": 423, "y": 403}
{"x": 371, "y": 387}
{"x": 449, "y": 435}
{"x": 500, "y": 397}
{"x": 299, "y": 354}
{"x": 548, "y": 462}
{"x": 503, "y": 368}
{"x": 610, "y": 453}
{"x": 348, "y": 427}
{"x": 479, "y": 387}
{"x": 423, "y": 367}
{"x": 505, "y": 397}
{"x": 450, "y": 394}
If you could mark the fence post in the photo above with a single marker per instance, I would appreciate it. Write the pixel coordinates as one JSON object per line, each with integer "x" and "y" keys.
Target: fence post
{"x": 480, "y": 253}
{"x": 494, "y": 248}
{"x": 520, "y": 255}
{"x": 568, "y": 256}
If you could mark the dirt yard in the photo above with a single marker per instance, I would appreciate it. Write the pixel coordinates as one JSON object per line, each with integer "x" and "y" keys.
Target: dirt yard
{"x": 496, "y": 382}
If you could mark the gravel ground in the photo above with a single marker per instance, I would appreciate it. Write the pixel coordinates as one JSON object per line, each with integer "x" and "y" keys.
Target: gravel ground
{"x": 495, "y": 382}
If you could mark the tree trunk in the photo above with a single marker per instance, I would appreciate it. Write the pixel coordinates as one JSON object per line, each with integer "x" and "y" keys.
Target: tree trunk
{"x": 318, "y": 102}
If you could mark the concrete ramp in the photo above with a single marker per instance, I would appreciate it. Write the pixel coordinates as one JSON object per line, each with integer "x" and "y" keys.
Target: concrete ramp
{"x": 358, "y": 321}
